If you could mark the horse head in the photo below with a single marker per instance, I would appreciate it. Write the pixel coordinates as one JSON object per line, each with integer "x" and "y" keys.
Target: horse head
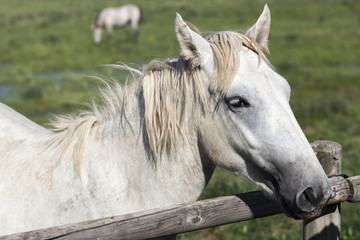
{"x": 250, "y": 128}
{"x": 97, "y": 33}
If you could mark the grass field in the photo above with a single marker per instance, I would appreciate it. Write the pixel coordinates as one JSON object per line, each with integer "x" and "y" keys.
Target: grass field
{"x": 47, "y": 54}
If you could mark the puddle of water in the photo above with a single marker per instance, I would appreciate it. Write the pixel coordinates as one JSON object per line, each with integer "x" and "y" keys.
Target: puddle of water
{"x": 53, "y": 76}
{"x": 7, "y": 93}
{"x": 356, "y": 67}
{"x": 10, "y": 93}
{"x": 59, "y": 77}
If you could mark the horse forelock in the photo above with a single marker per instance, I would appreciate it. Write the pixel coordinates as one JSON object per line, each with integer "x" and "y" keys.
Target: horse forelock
{"x": 226, "y": 46}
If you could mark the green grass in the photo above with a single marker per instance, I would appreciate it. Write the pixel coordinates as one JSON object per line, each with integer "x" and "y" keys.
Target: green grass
{"x": 46, "y": 52}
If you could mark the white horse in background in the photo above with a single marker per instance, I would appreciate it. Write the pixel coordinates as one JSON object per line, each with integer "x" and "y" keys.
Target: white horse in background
{"x": 156, "y": 142}
{"x": 117, "y": 17}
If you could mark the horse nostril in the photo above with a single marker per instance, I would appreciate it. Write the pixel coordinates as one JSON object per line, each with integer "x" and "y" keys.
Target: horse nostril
{"x": 309, "y": 195}
{"x": 307, "y": 200}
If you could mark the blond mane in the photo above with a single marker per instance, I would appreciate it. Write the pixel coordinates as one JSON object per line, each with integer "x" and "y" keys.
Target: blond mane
{"x": 168, "y": 88}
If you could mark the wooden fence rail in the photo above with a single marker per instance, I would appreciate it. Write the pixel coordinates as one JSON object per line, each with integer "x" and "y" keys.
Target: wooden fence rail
{"x": 185, "y": 217}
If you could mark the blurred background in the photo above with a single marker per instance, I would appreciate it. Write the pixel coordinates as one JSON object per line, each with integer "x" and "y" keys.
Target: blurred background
{"x": 47, "y": 54}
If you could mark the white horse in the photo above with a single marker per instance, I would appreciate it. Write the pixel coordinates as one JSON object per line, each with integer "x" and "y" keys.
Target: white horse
{"x": 157, "y": 141}
{"x": 117, "y": 17}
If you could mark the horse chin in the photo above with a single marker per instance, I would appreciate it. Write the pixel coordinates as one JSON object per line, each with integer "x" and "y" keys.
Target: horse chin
{"x": 289, "y": 208}
{"x": 289, "y": 211}
{"x": 294, "y": 212}
{"x": 271, "y": 193}
{"x": 290, "y": 202}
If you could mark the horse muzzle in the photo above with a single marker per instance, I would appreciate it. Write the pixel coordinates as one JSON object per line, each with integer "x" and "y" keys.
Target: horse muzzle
{"x": 309, "y": 202}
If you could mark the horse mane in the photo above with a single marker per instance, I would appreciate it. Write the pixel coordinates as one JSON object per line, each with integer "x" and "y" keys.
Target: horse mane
{"x": 97, "y": 19}
{"x": 168, "y": 89}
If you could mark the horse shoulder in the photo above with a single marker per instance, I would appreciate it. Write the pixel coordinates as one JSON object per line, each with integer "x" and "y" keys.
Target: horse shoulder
{"x": 135, "y": 13}
{"x": 134, "y": 9}
{"x": 105, "y": 17}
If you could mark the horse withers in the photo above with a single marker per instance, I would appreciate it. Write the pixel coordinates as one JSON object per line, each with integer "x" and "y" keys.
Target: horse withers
{"x": 109, "y": 18}
{"x": 156, "y": 141}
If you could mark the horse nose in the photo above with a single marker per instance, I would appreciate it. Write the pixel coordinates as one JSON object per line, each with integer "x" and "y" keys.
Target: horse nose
{"x": 309, "y": 200}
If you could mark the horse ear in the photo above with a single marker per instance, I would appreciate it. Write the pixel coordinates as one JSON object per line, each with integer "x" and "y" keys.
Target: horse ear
{"x": 261, "y": 29}
{"x": 193, "y": 46}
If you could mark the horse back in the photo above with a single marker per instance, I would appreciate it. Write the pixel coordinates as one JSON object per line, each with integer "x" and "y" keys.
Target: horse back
{"x": 119, "y": 16}
{"x": 14, "y": 125}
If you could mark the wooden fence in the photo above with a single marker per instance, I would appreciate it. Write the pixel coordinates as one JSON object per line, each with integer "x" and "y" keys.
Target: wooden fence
{"x": 214, "y": 212}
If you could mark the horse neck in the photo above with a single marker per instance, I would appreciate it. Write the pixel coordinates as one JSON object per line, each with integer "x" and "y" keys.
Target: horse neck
{"x": 120, "y": 155}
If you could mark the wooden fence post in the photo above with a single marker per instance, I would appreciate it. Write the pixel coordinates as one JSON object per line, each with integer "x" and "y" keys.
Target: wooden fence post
{"x": 327, "y": 226}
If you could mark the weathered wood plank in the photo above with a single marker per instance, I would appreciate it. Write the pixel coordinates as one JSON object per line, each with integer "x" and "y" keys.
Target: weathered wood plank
{"x": 149, "y": 224}
{"x": 347, "y": 189}
{"x": 181, "y": 218}
{"x": 354, "y": 185}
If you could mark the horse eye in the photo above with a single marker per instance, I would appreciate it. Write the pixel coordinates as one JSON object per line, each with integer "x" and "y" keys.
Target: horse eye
{"x": 237, "y": 102}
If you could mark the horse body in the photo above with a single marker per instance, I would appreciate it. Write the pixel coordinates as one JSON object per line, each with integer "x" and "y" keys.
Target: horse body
{"x": 156, "y": 142}
{"x": 29, "y": 180}
{"x": 41, "y": 189}
{"x": 117, "y": 17}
